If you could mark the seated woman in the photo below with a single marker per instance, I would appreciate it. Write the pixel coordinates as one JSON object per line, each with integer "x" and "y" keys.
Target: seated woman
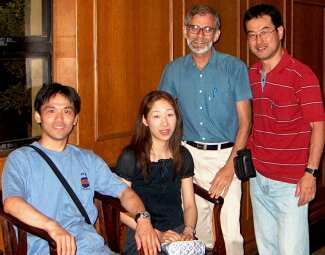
{"x": 160, "y": 171}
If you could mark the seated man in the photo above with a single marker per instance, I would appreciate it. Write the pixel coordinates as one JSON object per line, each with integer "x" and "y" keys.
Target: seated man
{"x": 33, "y": 194}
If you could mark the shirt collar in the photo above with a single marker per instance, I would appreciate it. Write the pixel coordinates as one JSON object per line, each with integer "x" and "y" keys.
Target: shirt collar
{"x": 213, "y": 59}
{"x": 285, "y": 60}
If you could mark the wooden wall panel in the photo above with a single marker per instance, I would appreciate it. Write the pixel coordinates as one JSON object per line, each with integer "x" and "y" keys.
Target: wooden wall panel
{"x": 229, "y": 41}
{"x": 178, "y": 45}
{"x": 131, "y": 44}
{"x": 129, "y": 34}
{"x": 85, "y": 71}
{"x": 64, "y": 47}
{"x": 307, "y": 34}
{"x": 308, "y": 46}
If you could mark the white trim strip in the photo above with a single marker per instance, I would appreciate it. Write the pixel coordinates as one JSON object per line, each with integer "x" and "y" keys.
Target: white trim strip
{"x": 281, "y": 149}
{"x": 287, "y": 134}
{"x": 279, "y": 164}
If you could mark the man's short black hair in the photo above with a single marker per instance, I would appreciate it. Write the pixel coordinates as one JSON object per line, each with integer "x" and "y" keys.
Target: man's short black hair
{"x": 49, "y": 90}
{"x": 263, "y": 9}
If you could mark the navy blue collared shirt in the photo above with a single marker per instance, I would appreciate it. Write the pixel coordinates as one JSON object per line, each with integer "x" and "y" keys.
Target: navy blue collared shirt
{"x": 207, "y": 98}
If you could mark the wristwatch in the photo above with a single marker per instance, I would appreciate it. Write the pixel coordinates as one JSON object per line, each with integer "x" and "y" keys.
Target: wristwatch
{"x": 142, "y": 215}
{"x": 313, "y": 172}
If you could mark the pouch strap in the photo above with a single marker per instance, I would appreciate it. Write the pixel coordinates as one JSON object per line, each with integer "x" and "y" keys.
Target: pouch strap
{"x": 64, "y": 182}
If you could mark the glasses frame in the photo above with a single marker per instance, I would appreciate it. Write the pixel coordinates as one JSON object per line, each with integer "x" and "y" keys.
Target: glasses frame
{"x": 190, "y": 27}
{"x": 263, "y": 34}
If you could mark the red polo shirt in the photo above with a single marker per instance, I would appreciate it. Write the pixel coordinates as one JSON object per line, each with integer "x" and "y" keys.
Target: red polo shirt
{"x": 282, "y": 112}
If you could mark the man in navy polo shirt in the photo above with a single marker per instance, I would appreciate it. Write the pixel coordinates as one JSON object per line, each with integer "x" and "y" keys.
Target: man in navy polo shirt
{"x": 213, "y": 93}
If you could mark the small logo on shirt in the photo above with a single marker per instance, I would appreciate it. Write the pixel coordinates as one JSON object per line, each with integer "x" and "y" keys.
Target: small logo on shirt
{"x": 84, "y": 181}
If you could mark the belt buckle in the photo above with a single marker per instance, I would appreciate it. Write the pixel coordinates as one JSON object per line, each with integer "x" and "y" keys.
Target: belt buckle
{"x": 201, "y": 146}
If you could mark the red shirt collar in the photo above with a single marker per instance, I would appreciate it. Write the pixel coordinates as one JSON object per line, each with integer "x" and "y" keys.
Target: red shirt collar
{"x": 284, "y": 62}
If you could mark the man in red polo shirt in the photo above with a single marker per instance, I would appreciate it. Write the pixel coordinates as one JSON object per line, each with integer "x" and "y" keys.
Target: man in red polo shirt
{"x": 287, "y": 137}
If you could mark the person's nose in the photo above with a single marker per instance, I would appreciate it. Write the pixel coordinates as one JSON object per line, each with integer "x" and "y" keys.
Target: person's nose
{"x": 258, "y": 38}
{"x": 164, "y": 121}
{"x": 59, "y": 116}
{"x": 200, "y": 33}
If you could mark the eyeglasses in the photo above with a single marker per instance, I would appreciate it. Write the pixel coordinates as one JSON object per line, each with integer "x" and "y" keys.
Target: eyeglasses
{"x": 263, "y": 34}
{"x": 195, "y": 29}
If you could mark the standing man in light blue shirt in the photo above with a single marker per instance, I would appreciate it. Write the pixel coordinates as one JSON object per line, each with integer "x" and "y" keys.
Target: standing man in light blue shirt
{"x": 33, "y": 194}
{"x": 213, "y": 93}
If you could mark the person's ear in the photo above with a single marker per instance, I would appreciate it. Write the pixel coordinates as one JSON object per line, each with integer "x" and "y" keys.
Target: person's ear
{"x": 280, "y": 31}
{"x": 216, "y": 35}
{"x": 37, "y": 117}
{"x": 144, "y": 121}
{"x": 76, "y": 118}
{"x": 184, "y": 32}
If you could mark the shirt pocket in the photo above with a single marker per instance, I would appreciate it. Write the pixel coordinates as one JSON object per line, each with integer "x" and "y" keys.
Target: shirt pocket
{"x": 285, "y": 107}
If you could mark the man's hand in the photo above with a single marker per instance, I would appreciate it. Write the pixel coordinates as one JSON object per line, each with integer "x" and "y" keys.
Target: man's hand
{"x": 306, "y": 189}
{"x": 146, "y": 237}
{"x": 168, "y": 236}
{"x": 221, "y": 182}
{"x": 65, "y": 242}
{"x": 19, "y": 208}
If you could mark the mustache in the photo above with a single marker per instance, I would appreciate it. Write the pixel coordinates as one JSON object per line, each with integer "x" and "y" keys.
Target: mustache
{"x": 199, "y": 41}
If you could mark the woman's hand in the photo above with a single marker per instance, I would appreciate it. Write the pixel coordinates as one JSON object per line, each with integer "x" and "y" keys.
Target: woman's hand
{"x": 169, "y": 236}
{"x": 188, "y": 234}
{"x": 187, "y": 237}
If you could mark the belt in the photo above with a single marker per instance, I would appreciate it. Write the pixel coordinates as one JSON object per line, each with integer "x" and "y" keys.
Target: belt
{"x": 215, "y": 147}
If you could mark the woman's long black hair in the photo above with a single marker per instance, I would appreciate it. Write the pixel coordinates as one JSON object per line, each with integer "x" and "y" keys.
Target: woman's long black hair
{"x": 141, "y": 141}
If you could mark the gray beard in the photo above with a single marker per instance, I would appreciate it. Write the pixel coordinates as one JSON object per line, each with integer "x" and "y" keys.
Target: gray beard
{"x": 199, "y": 51}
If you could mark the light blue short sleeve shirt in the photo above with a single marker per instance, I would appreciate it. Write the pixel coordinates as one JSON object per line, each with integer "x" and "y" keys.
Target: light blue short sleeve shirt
{"x": 27, "y": 175}
{"x": 207, "y": 98}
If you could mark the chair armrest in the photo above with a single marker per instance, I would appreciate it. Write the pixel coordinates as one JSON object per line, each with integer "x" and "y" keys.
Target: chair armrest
{"x": 109, "y": 220}
{"x": 27, "y": 228}
{"x": 219, "y": 245}
{"x": 14, "y": 246}
{"x": 112, "y": 201}
{"x": 205, "y": 194}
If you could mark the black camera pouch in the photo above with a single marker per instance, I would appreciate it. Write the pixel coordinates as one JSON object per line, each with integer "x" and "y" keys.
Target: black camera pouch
{"x": 243, "y": 164}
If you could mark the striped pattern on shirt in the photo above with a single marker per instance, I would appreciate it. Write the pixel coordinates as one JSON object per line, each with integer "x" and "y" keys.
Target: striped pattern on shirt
{"x": 282, "y": 113}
